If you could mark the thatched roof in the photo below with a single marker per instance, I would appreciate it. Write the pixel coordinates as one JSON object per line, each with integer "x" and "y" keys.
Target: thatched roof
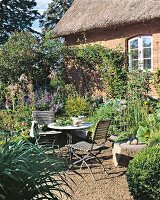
{"x": 86, "y": 15}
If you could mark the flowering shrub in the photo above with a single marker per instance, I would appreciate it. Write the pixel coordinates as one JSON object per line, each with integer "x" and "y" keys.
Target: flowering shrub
{"x": 16, "y": 122}
{"x": 44, "y": 100}
{"x": 16, "y": 118}
{"x": 20, "y": 94}
{"x": 77, "y": 106}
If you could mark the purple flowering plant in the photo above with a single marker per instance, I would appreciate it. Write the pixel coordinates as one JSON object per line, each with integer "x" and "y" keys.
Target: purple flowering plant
{"x": 46, "y": 100}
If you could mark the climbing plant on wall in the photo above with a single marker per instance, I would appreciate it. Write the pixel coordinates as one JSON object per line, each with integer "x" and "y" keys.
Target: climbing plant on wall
{"x": 94, "y": 67}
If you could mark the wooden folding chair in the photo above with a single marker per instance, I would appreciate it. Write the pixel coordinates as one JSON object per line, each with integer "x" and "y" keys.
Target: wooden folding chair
{"x": 91, "y": 150}
{"x": 42, "y": 136}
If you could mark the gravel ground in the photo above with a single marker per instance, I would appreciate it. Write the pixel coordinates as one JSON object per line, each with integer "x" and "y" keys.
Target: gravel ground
{"x": 111, "y": 186}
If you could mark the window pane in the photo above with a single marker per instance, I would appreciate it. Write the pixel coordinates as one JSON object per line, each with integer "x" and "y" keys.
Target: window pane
{"x": 140, "y": 52}
{"x": 134, "y": 54}
{"x": 134, "y": 64}
{"x": 147, "y": 63}
{"x": 146, "y": 42}
{"x": 134, "y": 44}
{"x": 147, "y": 53}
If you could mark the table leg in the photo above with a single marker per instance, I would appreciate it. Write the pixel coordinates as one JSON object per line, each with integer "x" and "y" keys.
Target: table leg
{"x": 69, "y": 142}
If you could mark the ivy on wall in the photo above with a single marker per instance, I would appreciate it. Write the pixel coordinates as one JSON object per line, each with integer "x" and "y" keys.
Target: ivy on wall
{"x": 156, "y": 81}
{"x": 94, "y": 67}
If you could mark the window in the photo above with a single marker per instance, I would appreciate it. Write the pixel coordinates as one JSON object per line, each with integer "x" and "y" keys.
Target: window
{"x": 140, "y": 53}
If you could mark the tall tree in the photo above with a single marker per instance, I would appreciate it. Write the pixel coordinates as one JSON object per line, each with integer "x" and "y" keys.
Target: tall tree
{"x": 16, "y": 15}
{"x": 54, "y": 13}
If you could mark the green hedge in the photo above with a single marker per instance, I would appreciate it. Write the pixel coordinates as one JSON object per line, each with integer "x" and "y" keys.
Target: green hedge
{"x": 143, "y": 174}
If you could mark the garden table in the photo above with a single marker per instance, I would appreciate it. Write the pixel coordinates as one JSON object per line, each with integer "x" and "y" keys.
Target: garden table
{"x": 70, "y": 130}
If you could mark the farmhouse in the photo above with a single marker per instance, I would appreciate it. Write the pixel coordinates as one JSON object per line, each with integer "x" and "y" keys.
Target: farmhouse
{"x": 132, "y": 24}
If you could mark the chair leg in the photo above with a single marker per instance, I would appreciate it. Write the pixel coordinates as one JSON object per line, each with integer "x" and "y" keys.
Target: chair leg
{"x": 36, "y": 142}
{"x": 76, "y": 162}
{"x": 101, "y": 163}
{"x": 89, "y": 168}
{"x": 81, "y": 165}
{"x": 83, "y": 160}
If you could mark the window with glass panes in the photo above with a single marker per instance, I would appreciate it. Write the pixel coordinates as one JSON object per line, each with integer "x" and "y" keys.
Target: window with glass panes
{"x": 140, "y": 53}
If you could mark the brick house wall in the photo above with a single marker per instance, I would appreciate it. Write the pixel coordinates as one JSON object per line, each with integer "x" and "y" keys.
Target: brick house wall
{"x": 119, "y": 36}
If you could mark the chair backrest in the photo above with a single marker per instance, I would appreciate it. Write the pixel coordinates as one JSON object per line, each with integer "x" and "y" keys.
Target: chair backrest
{"x": 101, "y": 131}
{"x": 43, "y": 117}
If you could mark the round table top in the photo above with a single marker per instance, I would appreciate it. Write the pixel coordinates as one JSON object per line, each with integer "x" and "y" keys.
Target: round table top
{"x": 70, "y": 127}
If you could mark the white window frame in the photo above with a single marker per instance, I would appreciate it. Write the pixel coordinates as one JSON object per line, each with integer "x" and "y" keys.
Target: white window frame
{"x": 140, "y": 52}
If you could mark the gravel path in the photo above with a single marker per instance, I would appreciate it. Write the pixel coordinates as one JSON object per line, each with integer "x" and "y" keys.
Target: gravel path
{"x": 106, "y": 187}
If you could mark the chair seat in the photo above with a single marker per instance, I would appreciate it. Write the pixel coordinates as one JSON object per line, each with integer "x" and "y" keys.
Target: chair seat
{"x": 84, "y": 146}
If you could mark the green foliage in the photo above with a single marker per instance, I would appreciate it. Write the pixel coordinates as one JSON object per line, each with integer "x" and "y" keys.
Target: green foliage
{"x": 153, "y": 124}
{"x": 114, "y": 110}
{"x": 2, "y": 93}
{"x": 135, "y": 114}
{"x": 26, "y": 172}
{"x": 156, "y": 81}
{"x": 18, "y": 56}
{"x": 16, "y": 122}
{"x": 142, "y": 134}
{"x": 17, "y": 115}
{"x": 87, "y": 71}
{"x": 143, "y": 174}
{"x": 138, "y": 84}
{"x": 105, "y": 111}
{"x": 87, "y": 68}
{"x": 138, "y": 106}
{"x": 18, "y": 16}
{"x": 24, "y": 54}
{"x": 148, "y": 126}
{"x": 154, "y": 138}
{"x": 129, "y": 118}
{"x": 76, "y": 106}
{"x": 50, "y": 58}
{"x": 114, "y": 73}
{"x": 80, "y": 66}
{"x": 54, "y": 13}
{"x": 63, "y": 121}
{"x": 58, "y": 86}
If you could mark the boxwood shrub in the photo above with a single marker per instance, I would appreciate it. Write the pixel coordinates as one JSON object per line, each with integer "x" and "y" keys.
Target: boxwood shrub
{"x": 143, "y": 174}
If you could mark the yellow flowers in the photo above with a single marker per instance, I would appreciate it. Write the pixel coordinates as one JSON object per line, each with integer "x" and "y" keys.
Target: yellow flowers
{"x": 145, "y": 103}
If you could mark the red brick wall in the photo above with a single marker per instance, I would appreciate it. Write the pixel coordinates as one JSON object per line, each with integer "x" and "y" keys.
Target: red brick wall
{"x": 118, "y": 36}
